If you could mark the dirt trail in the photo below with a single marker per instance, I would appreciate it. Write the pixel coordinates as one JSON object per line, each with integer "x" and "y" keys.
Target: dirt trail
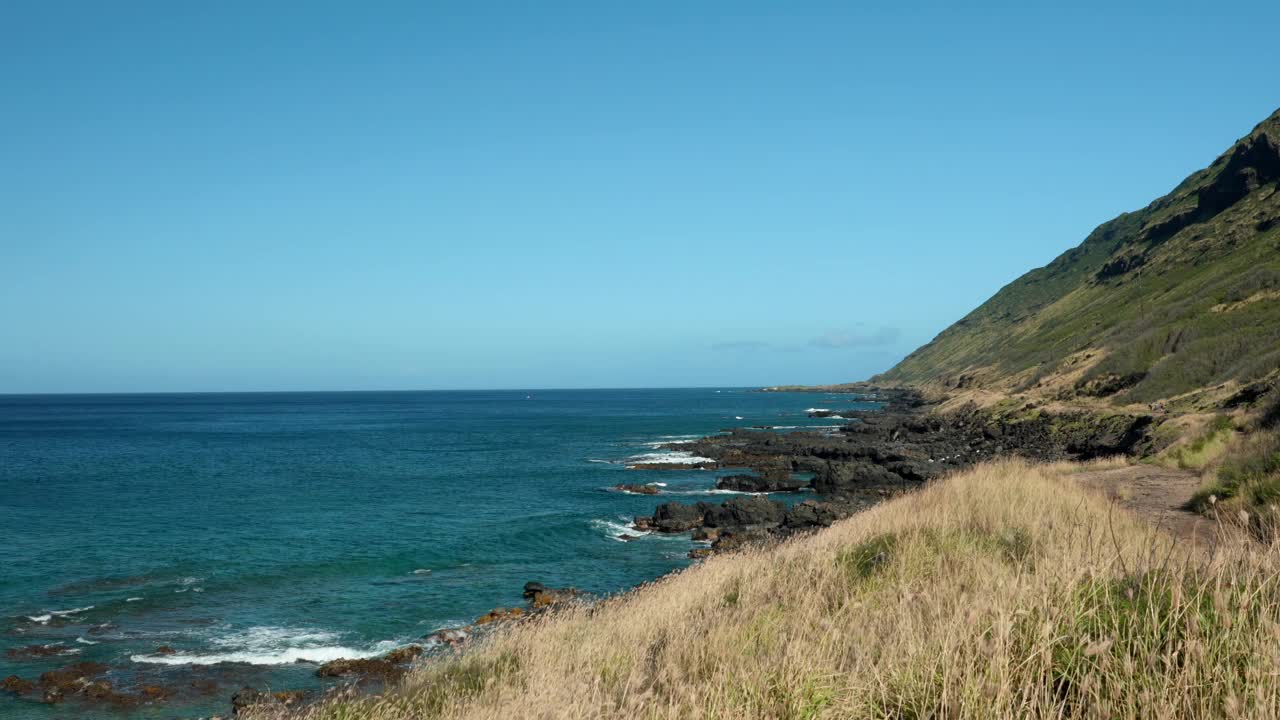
{"x": 1157, "y": 494}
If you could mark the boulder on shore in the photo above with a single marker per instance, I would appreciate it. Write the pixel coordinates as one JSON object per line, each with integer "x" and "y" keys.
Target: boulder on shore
{"x": 387, "y": 667}
{"x": 760, "y": 484}
{"x": 741, "y": 512}
{"x": 541, "y": 596}
{"x": 673, "y": 517}
{"x": 363, "y": 667}
{"x": 498, "y": 615}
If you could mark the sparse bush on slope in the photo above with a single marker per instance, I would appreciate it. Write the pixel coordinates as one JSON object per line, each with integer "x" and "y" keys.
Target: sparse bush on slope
{"x": 1002, "y": 592}
{"x": 1246, "y": 487}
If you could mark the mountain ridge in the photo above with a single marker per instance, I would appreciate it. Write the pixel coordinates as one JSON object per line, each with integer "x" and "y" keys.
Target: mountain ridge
{"x": 1169, "y": 301}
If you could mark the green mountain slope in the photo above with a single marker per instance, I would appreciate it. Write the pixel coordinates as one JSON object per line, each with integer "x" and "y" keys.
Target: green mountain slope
{"x": 1181, "y": 295}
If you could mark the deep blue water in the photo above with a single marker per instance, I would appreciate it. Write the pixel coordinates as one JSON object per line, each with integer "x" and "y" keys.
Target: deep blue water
{"x": 264, "y": 527}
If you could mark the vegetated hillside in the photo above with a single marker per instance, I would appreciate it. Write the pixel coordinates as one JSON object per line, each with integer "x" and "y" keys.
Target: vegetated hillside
{"x": 1179, "y": 296}
{"x": 1006, "y": 591}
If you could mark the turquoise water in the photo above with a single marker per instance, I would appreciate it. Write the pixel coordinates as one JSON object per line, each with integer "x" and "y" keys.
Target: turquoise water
{"x": 260, "y": 529}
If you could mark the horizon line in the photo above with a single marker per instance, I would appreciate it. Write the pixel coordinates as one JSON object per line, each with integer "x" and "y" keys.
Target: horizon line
{"x": 403, "y": 390}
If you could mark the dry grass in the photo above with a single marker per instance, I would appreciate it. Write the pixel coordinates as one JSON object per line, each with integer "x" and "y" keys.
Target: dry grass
{"x": 1003, "y": 592}
{"x": 1244, "y": 486}
{"x": 1205, "y": 440}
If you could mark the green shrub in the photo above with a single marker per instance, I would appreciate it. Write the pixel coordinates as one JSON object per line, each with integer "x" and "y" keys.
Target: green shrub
{"x": 864, "y": 560}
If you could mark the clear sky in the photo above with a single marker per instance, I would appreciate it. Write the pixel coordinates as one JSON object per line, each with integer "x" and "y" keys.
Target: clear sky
{"x": 340, "y": 195}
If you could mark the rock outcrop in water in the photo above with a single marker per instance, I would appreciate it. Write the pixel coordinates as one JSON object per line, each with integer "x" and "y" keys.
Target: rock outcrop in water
{"x": 777, "y": 482}
{"x": 637, "y": 489}
{"x": 880, "y": 453}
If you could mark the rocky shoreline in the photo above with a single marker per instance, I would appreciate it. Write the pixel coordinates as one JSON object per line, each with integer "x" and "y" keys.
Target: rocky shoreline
{"x": 875, "y": 455}
{"x": 93, "y": 684}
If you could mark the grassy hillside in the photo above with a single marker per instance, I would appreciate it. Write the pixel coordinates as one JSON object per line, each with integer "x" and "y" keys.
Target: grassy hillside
{"x": 1003, "y": 592}
{"x": 1179, "y": 296}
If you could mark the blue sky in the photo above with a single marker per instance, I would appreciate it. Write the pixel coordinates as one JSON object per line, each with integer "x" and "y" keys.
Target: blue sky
{"x": 230, "y": 196}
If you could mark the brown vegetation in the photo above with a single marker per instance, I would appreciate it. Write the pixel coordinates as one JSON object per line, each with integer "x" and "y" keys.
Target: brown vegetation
{"x": 1006, "y": 591}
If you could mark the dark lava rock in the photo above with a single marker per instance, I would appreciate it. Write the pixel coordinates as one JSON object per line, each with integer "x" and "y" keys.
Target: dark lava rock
{"x": 760, "y": 484}
{"x": 101, "y": 691}
{"x": 816, "y": 514}
{"x": 79, "y": 680}
{"x": 363, "y": 667}
{"x": 17, "y": 686}
{"x": 677, "y": 517}
{"x": 71, "y": 677}
{"x": 406, "y": 654}
{"x": 32, "y": 652}
{"x": 164, "y": 650}
{"x": 836, "y": 476}
{"x": 248, "y": 697}
{"x": 388, "y": 667}
{"x": 700, "y": 553}
{"x": 546, "y": 597}
{"x": 449, "y": 637}
{"x": 500, "y": 615}
{"x": 902, "y": 446}
{"x": 541, "y": 597}
{"x": 703, "y": 465}
{"x": 706, "y": 534}
{"x": 638, "y": 489}
{"x": 1249, "y": 394}
{"x": 730, "y": 542}
{"x": 745, "y": 512}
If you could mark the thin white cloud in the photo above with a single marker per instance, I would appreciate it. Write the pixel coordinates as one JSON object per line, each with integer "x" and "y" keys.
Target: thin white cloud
{"x": 860, "y": 336}
{"x": 742, "y": 345}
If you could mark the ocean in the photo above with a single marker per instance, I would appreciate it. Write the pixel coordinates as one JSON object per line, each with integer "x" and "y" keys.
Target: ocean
{"x": 249, "y": 531}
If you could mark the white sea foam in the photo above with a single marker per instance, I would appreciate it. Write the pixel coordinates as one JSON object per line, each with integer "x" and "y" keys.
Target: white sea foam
{"x": 421, "y": 571}
{"x": 51, "y": 614}
{"x": 628, "y": 491}
{"x": 602, "y": 462}
{"x": 72, "y": 611}
{"x": 737, "y": 417}
{"x": 615, "y": 530}
{"x": 674, "y": 457}
{"x": 664, "y": 443}
{"x": 712, "y": 491}
{"x": 268, "y": 645}
{"x": 132, "y": 599}
{"x": 281, "y": 657}
{"x": 84, "y": 641}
